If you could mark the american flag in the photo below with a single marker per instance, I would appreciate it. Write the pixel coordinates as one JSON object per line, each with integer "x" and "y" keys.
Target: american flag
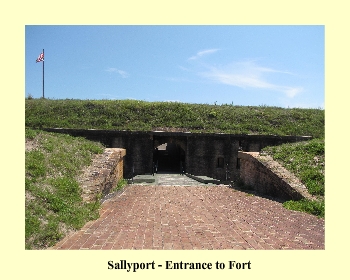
{"x": 40, "y": 58}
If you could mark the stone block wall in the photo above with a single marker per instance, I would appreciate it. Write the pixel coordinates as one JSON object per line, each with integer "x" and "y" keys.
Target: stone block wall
{"x": 103, "y": 174}
{"x": 268, "y": 177}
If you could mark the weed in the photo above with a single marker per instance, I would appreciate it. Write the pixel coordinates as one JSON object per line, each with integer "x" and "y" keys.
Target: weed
{"x": 35, "y": 164}
{"x": 120, "y": 185}
{"x": 316, "y": 207}
{"x": 30, "y": 133}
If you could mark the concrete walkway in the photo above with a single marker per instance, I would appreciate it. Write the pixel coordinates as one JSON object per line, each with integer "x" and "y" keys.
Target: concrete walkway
{"x": 170, "y": 179}
{"x": 195, "y": 217}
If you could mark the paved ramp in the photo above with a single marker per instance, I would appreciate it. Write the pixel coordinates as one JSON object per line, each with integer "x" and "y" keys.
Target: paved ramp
{"x": 168, "y": 179}
{"x": 196, "y": 217}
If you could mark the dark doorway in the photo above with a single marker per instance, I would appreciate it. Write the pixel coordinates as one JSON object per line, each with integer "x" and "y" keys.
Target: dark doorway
{"x": 169, "y": 157}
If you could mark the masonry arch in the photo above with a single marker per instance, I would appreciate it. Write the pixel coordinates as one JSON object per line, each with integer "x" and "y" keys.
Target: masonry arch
{"x": 169, "y": 154}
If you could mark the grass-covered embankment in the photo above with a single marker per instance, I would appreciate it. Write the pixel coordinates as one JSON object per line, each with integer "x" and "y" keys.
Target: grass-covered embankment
{"x": 307, "y": 161}
{"x": 146, "y": 116}
{"x": 53, "y": 202}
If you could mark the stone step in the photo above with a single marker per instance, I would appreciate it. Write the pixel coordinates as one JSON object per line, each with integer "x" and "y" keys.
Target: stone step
{"x": 204, "y": 179}
{"x": 143, "y": 179}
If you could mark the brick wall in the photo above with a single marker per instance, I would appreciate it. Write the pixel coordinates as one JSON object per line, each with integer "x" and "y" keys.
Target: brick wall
{"x": 203, "y": 151}
{"x": 211, "y": 156}
{"x": 103, "y": 174}
{"x": 268, "y": 177}
{"x": 140, "y": 153}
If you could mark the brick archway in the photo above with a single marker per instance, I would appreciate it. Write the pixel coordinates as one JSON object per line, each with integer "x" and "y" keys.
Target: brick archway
{"x": 169, "y": 154}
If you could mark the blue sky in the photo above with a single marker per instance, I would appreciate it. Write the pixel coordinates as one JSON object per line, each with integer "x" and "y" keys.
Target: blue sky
{"x": 242, "y": 65}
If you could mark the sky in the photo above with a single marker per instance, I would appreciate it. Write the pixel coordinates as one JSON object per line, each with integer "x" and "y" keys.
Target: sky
{"x": 248, "y": 65}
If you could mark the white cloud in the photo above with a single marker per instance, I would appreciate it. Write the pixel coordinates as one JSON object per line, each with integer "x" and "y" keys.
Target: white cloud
{"x": 202, "y": 53}
{"x": 249, "y": 75}
{"x": 122, "y": 73}
{"x": 291, "y": 92}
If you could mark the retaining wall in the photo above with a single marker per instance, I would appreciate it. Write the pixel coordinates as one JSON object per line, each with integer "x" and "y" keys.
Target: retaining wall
{"x": 268, "y": 177}
{"x": 103, "y": 174}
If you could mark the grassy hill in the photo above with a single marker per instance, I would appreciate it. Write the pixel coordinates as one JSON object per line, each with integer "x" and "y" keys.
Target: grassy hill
{"x": 307, "y": 161}
{"x": 146, "y": 116}
{"x": 53, "y": 202}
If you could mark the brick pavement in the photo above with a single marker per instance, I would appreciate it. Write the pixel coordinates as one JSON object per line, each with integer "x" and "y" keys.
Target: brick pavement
{"x": 195, "y": 217}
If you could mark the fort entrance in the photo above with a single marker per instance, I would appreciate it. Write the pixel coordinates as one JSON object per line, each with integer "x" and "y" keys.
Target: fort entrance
{"x": 169, "y": 154}
{"x": 200, "y": 154}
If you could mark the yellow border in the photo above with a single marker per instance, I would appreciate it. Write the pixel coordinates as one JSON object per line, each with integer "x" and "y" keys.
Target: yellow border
{"x": 16, "y": 262}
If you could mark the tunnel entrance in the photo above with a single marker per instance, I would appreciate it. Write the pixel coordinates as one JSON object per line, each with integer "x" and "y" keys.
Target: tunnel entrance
{"x": 169, "y": 157}
{"x": 201, "y": 154}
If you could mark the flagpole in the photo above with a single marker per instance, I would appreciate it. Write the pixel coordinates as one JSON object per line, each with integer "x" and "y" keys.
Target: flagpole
{"x": 43, "y": 73}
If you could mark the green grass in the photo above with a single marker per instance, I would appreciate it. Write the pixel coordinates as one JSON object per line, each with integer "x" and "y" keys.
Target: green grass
{"x": 307, "y": 161}
{"x": 53, "y": 204}
{"x": 146, "y": 116}
{"x": 120, "y": 185}
{"x": 316, "y": 207}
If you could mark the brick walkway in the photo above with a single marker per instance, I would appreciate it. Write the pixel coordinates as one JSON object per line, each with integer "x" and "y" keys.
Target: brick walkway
{"x": 195, "y": 217}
